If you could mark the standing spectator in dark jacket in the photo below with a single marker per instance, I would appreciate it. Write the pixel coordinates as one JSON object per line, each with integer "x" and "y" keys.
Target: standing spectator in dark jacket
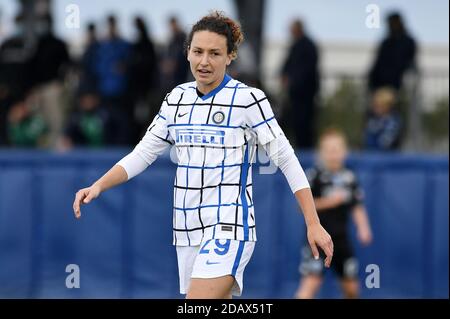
{"x": 143, "y": 73}
{"x": 88, "y": 77}
{"x": 14, "y": 73}
{"x": 396, "y": 54}
{"x": 112, "y": 74}
{"x": 111, "y": 64}
{"x": 175, "y": 64}
{"x": 48, "y": 65}
{"x": 300, "y": 76}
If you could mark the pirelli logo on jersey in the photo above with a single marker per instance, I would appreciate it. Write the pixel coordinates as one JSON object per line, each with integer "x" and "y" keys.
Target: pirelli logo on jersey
{"x": 200, "y": 136}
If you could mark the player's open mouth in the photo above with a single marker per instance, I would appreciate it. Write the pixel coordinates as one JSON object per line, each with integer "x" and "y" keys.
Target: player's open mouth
{"x": 204, "y": 72}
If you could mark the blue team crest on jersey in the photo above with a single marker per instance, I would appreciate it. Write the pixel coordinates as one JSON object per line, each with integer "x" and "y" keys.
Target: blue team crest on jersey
{"x": 200, "y": 136}
{"x": 218, "y": 117}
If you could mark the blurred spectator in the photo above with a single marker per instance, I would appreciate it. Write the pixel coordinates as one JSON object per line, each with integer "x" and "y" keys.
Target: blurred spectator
{"x": 395, "y": 55}
{"x": 112, "y": 57}
{"x": 300, "y": 76}
{"x": 244, "y": 67}
{"x": 14, "y": 72}
{"x": 112, "y": 74}
{"x": 384, "y": 126}
{"x": 1, "y": 26}
{"x": 88, "y": 77}
{"x": 143, "y": 62}
{"x": 48, "y": 66}
{"x": 175, "y": 65}
{"x": 90, "y": 125}
{"x": 25, "y": 127}
{"x": 143, "y": 72}
{"x": 337, "y": 196}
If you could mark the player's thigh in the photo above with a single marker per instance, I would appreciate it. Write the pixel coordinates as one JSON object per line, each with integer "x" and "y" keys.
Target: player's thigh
{"x": 211, "y": 288}
{"x": 224, "y": 260}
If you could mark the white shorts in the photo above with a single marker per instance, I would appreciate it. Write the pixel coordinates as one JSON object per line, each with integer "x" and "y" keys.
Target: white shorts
{"x": 214, "y": 258}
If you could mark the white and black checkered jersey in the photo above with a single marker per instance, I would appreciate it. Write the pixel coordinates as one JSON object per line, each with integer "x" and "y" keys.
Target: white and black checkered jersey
{"x": 215, "y": 136}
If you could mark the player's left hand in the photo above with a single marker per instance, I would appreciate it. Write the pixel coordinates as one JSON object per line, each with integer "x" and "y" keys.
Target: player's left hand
{"x": 364, "y": 236}
{"x": 318, "y": 236}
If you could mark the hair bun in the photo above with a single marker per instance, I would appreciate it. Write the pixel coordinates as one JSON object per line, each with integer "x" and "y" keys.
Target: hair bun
{"x": 219, "y": 23}
{"x": 238, "y": 36}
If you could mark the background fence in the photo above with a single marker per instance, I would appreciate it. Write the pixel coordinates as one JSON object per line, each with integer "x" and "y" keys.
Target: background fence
{"x": 122, "y": 243}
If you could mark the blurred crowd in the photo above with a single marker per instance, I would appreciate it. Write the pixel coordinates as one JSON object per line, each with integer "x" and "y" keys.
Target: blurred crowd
{"x": 384, "y": 125}
{"x": 119, "y": 85}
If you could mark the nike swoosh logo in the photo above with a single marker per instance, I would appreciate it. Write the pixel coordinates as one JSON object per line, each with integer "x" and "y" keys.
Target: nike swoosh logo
{"x": 212, "y": 262}
{"x": 181, "y": 115}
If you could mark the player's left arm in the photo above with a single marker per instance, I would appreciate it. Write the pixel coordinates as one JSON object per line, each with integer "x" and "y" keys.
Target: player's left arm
{"x": 282, "y": 154}
{"x": 316, "y": 234}
{"x": 261, "y": 120}
{"x": 359, "y": 213}
{"x": 361, "y": 220}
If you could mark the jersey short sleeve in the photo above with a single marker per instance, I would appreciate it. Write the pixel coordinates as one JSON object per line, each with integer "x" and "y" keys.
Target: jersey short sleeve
{"x": 260, "y": 117}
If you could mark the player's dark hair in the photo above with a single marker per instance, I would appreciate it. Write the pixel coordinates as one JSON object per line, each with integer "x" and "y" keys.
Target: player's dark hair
{"x": 218, "y": 23}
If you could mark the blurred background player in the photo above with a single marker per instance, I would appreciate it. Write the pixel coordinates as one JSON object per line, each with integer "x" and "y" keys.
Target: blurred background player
{"x": 336, "y": 195}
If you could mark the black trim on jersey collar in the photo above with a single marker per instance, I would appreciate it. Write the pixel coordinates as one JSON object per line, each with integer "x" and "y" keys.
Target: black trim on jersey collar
{"x": 224, "y": 82}
{"x": 200, "y": 94}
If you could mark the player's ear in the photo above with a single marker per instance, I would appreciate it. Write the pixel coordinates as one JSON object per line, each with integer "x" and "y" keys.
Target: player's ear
{"x": 230, "y": 57}
{"x": 188, "y": 49}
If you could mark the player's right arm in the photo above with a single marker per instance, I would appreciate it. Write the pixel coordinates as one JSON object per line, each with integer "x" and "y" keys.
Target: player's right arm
{"x": 260, "y": 118}
{"x": 155, "y": 141}
{"x": 115, "y": 176}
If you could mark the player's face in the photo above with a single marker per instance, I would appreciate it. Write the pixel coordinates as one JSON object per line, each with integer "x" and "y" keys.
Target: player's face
{"x": 333, "y": 151}
{"x": 380, "y": 107}
{"x": 208, "y": 59}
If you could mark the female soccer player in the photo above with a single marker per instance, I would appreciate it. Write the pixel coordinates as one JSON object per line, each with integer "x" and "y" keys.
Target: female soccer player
{"x": 214, "y": 123}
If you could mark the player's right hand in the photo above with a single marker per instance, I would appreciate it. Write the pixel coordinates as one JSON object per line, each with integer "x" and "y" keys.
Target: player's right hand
{"x": 318, "y": 236}
{"x": 85, "y": 196}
